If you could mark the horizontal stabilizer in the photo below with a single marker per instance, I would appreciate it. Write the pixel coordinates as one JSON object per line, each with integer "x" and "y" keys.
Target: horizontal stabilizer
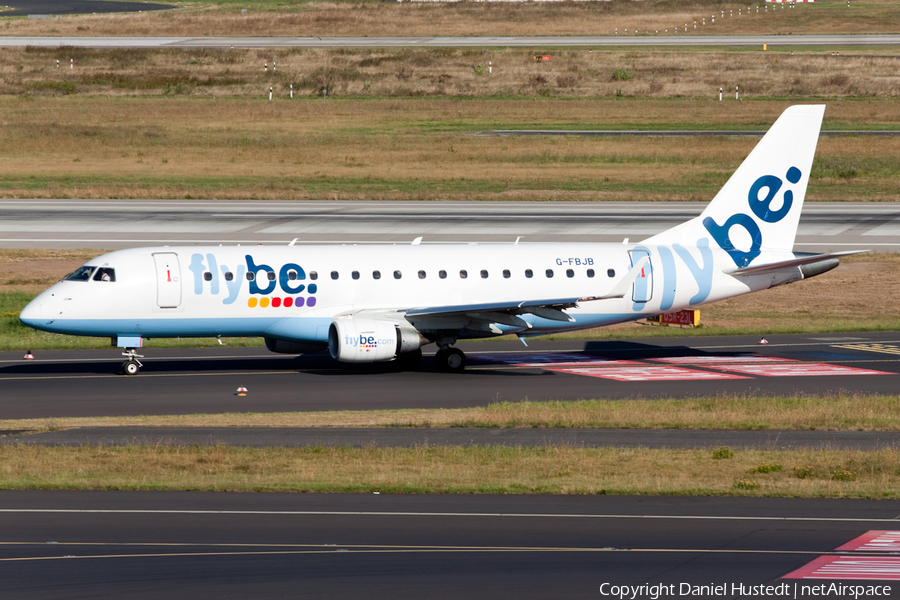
{"x": 784, "y": 264}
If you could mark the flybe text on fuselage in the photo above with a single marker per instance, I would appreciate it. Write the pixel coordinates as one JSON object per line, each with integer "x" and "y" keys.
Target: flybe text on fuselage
{"x": 262, "y": 280}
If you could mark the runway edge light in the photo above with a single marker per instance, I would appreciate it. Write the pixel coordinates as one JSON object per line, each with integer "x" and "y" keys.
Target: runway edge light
{"x": 241, "y": 391}
{"x": 29, "y": 355}
{"x": 763, "y": 342}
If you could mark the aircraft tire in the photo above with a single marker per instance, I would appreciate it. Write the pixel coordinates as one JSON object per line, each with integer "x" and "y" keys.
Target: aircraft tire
{"x": 130, "y": 367}
{"x": 455, "y": 360}
{"x": 440, "y": 359}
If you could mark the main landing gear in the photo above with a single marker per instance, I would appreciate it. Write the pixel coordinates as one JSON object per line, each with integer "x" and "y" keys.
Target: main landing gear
{"x": 131, "y": 366}
{"x": 451, "y": 360}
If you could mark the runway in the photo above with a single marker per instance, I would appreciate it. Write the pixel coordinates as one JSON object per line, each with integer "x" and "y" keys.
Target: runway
{"x": 203, "y": 545}
{"x": 204, "y": 380}
{"x": 773, "y": 41}
{"x": 114, "y": 224}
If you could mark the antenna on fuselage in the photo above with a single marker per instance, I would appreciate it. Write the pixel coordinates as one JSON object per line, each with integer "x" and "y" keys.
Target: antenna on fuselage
{"x": 516, "y": 243}
{"x": 417, "y": 241}
{"x": 293, "y": 241}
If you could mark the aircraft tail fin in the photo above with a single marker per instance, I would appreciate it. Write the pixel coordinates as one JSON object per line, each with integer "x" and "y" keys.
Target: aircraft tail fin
{"x": 759, "y": 207}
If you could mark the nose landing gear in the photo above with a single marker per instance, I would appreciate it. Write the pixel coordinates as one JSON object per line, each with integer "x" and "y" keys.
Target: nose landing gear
{"x": 131, "y": 366}
{"x": 451, "y": 360}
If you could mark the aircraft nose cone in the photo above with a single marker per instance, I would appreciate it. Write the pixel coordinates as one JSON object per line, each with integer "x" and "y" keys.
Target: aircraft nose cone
{"x": 36, "y": 313}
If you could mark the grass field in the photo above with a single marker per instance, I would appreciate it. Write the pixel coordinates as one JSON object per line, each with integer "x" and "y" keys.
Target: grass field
{"x": 436, "y": 469}
{"x": 829, "y": 412}
{"x": 417, "y": 149}
{"x": 372, "y": 18}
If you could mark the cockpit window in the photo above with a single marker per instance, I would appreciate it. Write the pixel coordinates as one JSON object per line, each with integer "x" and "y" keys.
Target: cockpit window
{"x": 105, "y": 274}
{"x": 82, "y": 274}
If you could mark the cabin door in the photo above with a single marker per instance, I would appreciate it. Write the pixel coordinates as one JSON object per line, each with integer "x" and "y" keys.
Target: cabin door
{"x": 168, "y": 280}
{"x": 643, "y": 285}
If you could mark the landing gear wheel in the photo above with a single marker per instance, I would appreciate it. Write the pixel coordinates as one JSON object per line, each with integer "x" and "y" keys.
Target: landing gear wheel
{"x": 130, "y": 367}
{"x": 451, "y": 360}
{"x": 456, "y": 360}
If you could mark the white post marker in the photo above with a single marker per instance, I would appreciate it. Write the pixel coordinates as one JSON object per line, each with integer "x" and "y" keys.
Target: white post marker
{"x": 490, "y": 67}
{"x": 270, "y": 93}
{"x": 324, "y": 94}
{"x": 720, "y": 94}
{"x": 266, "y": 67}
{"x": 71, "y": 63}
{"x": 273, "y": 66}
{"x": 292, "y": 91}
{"x": 57, "y": 63}
{"x": 735, "y": 92}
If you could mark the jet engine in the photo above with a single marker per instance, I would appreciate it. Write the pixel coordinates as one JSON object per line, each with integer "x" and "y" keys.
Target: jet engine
{"x": 370, "y": 340}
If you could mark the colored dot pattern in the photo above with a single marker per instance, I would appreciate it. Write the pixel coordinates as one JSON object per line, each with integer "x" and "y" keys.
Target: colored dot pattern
{"x": 286, "y": 302}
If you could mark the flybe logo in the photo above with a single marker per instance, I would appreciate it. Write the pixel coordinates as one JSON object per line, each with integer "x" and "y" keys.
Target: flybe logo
{"x": 762, "y": 208}
{"x": 287, "y": 283}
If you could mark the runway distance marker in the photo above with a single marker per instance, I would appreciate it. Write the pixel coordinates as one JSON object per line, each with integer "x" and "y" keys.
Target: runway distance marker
{"x": 871, "y": 568}
{"x": 646, "y": 373}
{"x": 873, "y": 541}
{"x": 797, "y": 370}
{"x": 871, "y": 347}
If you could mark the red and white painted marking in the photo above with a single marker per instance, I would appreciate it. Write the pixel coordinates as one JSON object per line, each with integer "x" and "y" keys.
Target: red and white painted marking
{"x": 551, "y": 360}
{"x": 873, "y": 541}
{"x": 796, "y": 370}
{"x": 704, "y": 360}
{"x": 875, "y": 568}
{"x": 646, "y": 373}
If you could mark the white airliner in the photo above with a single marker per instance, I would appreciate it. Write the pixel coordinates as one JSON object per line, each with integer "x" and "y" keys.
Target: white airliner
{"x": 384, "y": 302}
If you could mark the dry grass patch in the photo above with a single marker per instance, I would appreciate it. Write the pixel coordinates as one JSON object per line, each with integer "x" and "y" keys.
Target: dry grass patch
{"x": 422, "y": 149}
{"x": 472, "y": 19}
{"x": 833, "y": 412}
{"x": 555, "y": 470}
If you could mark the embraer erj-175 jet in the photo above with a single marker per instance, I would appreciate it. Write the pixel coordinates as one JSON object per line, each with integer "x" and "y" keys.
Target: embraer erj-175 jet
{"x": 384, "y": 302}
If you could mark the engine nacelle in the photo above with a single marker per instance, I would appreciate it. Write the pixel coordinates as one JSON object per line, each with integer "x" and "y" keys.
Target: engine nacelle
{"x": 369, "y": 340}
{"x": 287, "y": 347}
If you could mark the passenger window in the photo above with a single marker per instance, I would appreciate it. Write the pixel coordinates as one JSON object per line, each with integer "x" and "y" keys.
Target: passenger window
{"x": 251, "y": 275}
{"x": 570, "y": 273}
{"x": 506, "y": 274}
{"x": 82, "y": 274}
{"x": 229, "y": 276}
{"x": 313, "y": 275}
{"x": 376, "y": 274}
{"x": 442, "y": 274}
{"x": 355, "y": 274}
{"x": 105, "y": 274}
{"x": 549, "y": 273}
{"x": 334, "y": 275}
{"x": 421, "y": 274}
{"x": 463, "y": 274}
{"x": 206, "y": 276}
{"x": 484, "y": 274}
{"x": 590, "y": 272}
{"x": 611, "y": 272}
{"x": 397, "y": 274}
{"x": 271, "y": 275}
{"x": 528, "y": 273}
{"x": 292, "y": 275}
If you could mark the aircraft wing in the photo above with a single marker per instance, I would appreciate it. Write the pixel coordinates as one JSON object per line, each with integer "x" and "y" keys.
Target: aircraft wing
{"x": 505, "y": 312}
{"x": 784, "y": 264}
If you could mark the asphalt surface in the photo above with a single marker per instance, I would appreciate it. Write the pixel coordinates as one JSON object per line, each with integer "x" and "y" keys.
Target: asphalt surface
{"x": 114, "y": 224}
{"x": 74, "y": 7}
{"x": 204, "y": 380}
{"x": 203, "y": 545}
{"x": 265, "y": 437}
{"x": 773, "y": 41}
